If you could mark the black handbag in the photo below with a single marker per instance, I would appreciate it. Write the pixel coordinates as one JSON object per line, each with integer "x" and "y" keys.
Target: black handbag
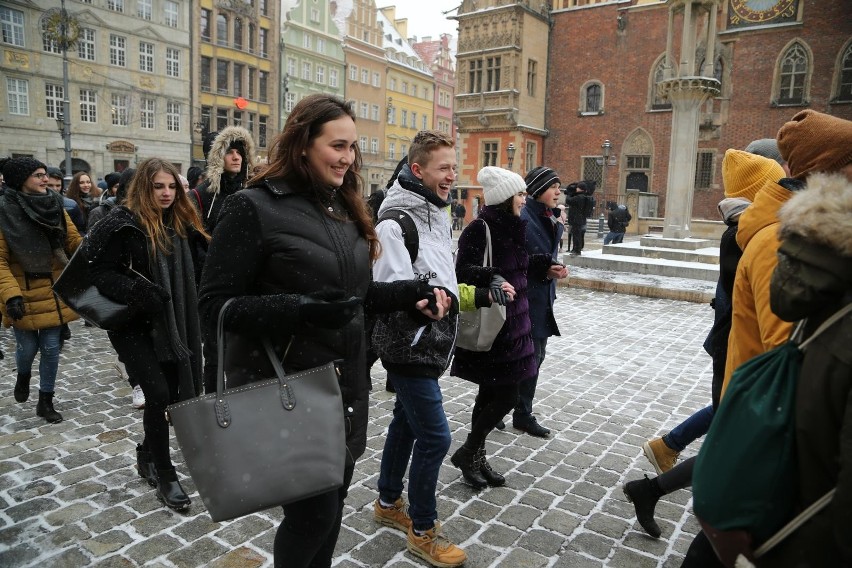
{"x": 74, "y": 287}
{"x": 267, "y": 443}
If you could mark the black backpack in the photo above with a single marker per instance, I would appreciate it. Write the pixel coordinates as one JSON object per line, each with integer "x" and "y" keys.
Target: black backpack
{"x": 409, "y": 230}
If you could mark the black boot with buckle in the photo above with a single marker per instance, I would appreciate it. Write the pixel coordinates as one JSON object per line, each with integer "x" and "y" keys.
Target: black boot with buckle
{"x": 169, "y": 490}
{"x": 493, "y": 478}
{"x": 145, "y": 465}
{"x": 465, "y": 459}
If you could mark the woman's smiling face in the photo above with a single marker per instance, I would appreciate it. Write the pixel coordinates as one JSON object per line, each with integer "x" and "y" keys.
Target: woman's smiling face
{"x": 332, "y": 153}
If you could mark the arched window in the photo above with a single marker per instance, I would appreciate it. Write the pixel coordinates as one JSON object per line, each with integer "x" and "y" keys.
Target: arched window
{"x": 658, "y": 102}
{"x": 793, "y": 76}
{"x": 844, "y": 83}
{"x": 592, "y": 98}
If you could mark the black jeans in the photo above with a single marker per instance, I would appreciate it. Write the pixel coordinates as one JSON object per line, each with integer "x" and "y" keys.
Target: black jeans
{"x": 159, "y": 382}
{"x": 308, "y": 534}
{"x": 523, "y": 409}
{"x": 492, "y": 404}
{"x": 578, "y": 235}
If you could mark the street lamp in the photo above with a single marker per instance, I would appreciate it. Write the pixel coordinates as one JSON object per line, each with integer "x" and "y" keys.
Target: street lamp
{"x": 510, "y": 153}
{"x": 606, "y": 148}
{"x": 60, "y": 123}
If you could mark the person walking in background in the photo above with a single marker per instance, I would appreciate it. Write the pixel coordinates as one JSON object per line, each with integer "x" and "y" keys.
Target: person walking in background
{"x": 416, "y": 351}
{"x": 142, "y": 255}
{"x": 511, "y": 359}
{"x": 80, "y": 191}
{"x": 744, "y": 176}
{"x": 460, "y": 212}
{"x": 580, "y": 206}
{"x": 617, "y": 220}
{"x": 543, "y": 232}
{"x": 55, "y": 182}
{"x": 229, "y": 163}
{"x": 36, "y": 239}
{"x": 302, "y": 221}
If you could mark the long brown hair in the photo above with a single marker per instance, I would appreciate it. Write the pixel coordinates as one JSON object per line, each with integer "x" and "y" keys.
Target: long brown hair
{"x": 286, "y": 160}
{"x": 140, "y": 200}
{"x": 73, "y": 192}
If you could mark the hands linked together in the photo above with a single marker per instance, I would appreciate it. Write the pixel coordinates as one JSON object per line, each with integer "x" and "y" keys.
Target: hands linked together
{"x": 500, "y": 291}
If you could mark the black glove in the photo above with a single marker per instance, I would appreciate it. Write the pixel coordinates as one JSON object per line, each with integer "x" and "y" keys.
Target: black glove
{"x": 328, "y": 314}
{"x": 498, "y": 295}
{"x": 15, "y": 308}
{"x": 149, "y": 297}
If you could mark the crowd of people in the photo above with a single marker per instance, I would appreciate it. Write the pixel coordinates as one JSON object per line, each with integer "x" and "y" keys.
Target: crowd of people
{"x": 295, "y": 256}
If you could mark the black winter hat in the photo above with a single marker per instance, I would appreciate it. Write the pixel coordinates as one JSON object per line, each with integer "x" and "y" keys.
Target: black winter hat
{"x": 539, "y": 179}
{"x": 192, "y": 175}
{"x": 123, "y": 184}
{"x": 207, "y": 143}
{"x": 17, "y": 170}
{"x": 239, "y": 146}
{"x": 112, "y": 179}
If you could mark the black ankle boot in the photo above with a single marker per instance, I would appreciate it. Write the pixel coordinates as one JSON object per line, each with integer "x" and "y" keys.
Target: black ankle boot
{"x": 45, "y": 408}
{"x": 493, "y": 478}
{"x": 145, "y": 465}
{"x": 644, "y": 494}
{"x": 465, "y": 460}
{"x": 169, "y": 490}
{"x": 22, "y": 387}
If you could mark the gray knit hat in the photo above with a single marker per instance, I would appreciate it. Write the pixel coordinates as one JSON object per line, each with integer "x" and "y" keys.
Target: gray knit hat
{"x": 766, "y": 147}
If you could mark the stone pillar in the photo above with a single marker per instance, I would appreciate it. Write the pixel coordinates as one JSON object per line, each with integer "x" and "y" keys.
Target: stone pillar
{"x": 686, "y": 96}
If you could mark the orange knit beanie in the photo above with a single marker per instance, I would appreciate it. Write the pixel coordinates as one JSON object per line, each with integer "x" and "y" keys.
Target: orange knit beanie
{"x": 815, "y": 142}
{"x": 743, "y": 174}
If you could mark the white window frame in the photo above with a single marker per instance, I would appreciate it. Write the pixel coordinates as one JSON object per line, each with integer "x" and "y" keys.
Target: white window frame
{"x": 18, "y": 96}
{"x": 374, "y": 114}
{"x": 147, "y": 112}
{"x": 307, "y": 70}
{"x": 362, "y": 144}
{"x": 374, "y": 145}
{"x": 117, "y": 50}
{"x": 365, "y": 76}
{"x": 320, "y": 45}
{"x": 146, "y": 57}
{"x": 289, "y": 102}
{"x": 353, "y": 72}
{"x": 171, "y": 13}
{"x": 173, "y": 116}
{"x": 145, "y": 9}
{"x": 119, "y": 108}
{"x": 54, "y": 95}
{"x": 291, "y": 66}
{"x": 332, "y": 78}
{"x": 12, "y": 24}
{"x": 306, "y": 41}
{"x": 86, "y": 44}
{"x": 88, "y": 106}
{"x": 115, "y": 5}
{"x": 377, "y": 79}
{"x": 172, "y": 62}
{"x": 320, "y": 76}
{"x": 365, "y": 110}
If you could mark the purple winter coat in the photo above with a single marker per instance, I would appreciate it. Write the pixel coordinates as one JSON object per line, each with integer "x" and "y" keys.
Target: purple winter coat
{"x": 512, "y": 357}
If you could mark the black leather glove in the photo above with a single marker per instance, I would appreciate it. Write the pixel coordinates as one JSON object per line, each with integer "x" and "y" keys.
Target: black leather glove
{"x": 328, "y": 314}
{"x": 15, "y": 308}
{"x": 498, "y": 295}
{"x": 149, "y": 297}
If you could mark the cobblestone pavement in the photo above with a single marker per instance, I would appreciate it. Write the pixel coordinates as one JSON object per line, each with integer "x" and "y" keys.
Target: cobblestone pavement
{"x": 625, "y": 369}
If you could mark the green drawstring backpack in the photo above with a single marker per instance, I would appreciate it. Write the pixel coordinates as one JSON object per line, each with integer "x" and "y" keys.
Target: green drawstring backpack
{"x": 745, "y": 474}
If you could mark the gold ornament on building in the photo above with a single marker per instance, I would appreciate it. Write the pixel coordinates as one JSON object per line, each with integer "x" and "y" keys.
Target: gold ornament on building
{"x": 60, "y": 27}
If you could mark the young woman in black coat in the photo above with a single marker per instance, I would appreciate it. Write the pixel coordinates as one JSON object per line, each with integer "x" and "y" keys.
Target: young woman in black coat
{"x": 305, "y": 242}
{"x": 141, "y": 255}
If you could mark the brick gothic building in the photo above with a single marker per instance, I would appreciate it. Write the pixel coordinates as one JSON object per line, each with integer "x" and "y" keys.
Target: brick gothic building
{"x": 606, "y": 56}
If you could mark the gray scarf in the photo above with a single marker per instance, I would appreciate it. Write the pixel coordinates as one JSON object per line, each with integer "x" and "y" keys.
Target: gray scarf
{"x": 34, "y": 228}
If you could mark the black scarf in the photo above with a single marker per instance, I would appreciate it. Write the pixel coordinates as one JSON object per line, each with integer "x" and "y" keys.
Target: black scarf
{"x": 177, "y": 335}
{"x": 412, "y": 183}
{"x": 34, "y": 228}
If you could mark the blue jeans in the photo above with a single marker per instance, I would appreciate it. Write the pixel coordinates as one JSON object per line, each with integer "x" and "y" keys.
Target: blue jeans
{"x": 690, "y": 429}
{"x": 612, "y": 237}
{"x": 418, "y": 432}
{"x": 29, "y": 342}
{"x": 526, "y": 391}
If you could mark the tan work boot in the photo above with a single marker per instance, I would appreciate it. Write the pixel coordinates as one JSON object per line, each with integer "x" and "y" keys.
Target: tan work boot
{"x": 435, "y": 548}
{"x": 662, "y": 457}
{"x": 396, "y": 516}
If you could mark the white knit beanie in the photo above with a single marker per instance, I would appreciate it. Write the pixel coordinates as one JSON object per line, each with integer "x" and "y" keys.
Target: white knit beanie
{"x": 498, "y": 184}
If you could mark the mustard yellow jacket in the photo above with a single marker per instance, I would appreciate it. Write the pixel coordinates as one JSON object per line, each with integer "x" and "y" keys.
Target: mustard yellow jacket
{"x": 754, "y": 328}
{"x": 42, "y": 308}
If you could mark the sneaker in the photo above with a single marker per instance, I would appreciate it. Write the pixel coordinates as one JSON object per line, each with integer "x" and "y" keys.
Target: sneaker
{"x": 435, "y": 548}
{"x": 662, "y": 457}
{"x": 396, "y": 516}
{"x": 138, "y": 397}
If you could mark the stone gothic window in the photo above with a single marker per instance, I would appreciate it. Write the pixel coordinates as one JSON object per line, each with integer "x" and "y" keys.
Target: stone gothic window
{"x": 658, "y": 102}
{"x": 844, "y": 82}
{"x": 591, "y": 98}
{"x": 793, "y": 74}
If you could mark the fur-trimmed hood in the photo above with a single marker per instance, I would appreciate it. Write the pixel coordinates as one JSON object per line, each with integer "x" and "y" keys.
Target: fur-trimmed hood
{"x": 821, "y": 213}
{"x": 216, "y": 156}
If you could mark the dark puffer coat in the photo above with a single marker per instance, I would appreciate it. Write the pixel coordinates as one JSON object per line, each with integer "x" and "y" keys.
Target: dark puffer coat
{"x": 511, "y": 358}
{"x": 272, "y": 247}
